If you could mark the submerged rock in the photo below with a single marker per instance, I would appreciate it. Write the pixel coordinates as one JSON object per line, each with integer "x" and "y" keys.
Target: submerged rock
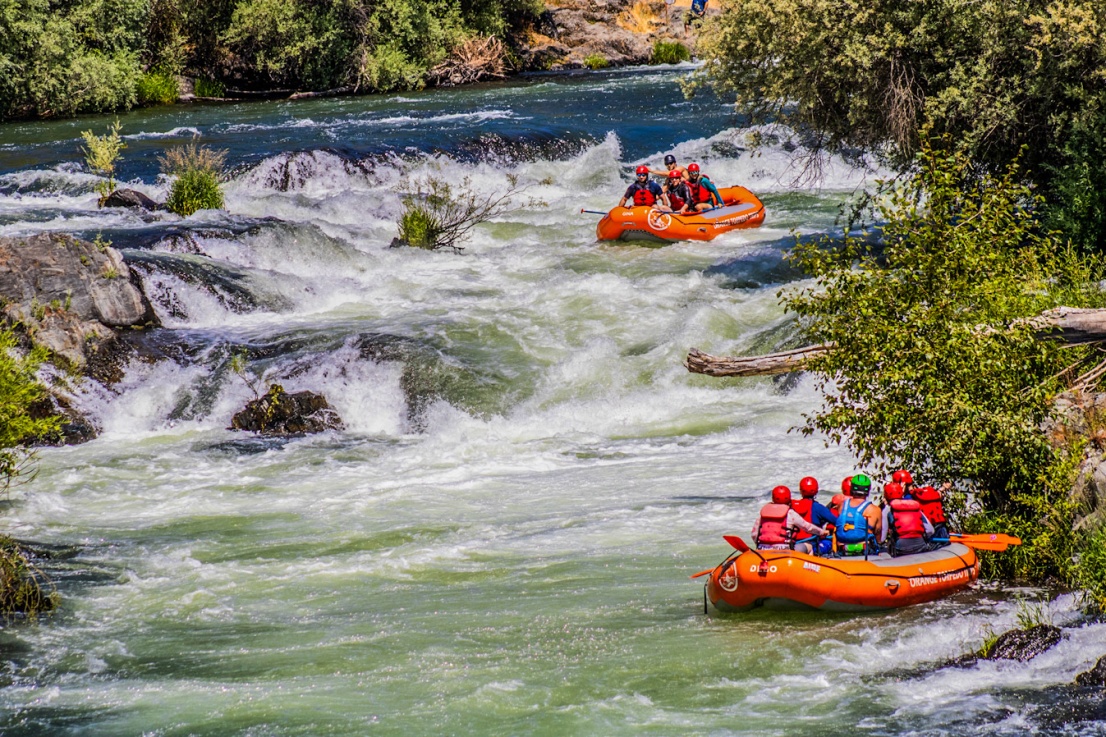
{"x": 1096, "y": 676}
{"x": 68, "y": 295}
{"x": 1024, "y": 644}
{"x": 280, "y": 413}
{"x": 130, "y": 198}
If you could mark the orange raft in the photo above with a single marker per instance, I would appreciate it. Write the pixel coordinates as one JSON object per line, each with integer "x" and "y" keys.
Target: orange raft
{"x": 786, "y": 579}
{"x": 742, "y": 209}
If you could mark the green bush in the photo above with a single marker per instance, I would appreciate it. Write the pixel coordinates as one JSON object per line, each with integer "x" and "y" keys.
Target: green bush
{"x": 157, "y": 88}
{"x": 669, "y": 52}
{"x": 419, "y": 228}
{"x": 209, "y": 88}
{"x": 194, "y": 190}
{"x": 596, "y": 61}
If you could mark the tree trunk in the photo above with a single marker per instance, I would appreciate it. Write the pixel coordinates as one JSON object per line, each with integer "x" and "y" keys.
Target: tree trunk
{"x": 1069, "y": 325}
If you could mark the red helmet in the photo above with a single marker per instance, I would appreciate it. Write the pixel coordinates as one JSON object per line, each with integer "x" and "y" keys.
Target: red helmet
{"x": 892, "y": 491}
{"x": 781, "y": 495}
{"x": 692, "y": 167}
{"x": 902, "y": 477}
{"x": 808, "y": 486}
{"x": 642, "y": 170}
{"x": 675, "y": 174}
{"x": 847, "y": 484}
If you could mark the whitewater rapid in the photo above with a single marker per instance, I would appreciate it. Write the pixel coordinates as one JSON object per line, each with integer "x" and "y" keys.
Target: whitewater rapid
{"x": 500, "y": 540}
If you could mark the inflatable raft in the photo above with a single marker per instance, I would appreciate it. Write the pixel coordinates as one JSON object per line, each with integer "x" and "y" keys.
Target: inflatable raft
{"x": 742, "y": 209}
{"x": 785, "y": 579}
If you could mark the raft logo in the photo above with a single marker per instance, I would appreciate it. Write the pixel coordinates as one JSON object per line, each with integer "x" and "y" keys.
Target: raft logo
{"x": 735, "y": 221}
{"x": 917, "y": 581}
{"x": 728, "y": 582}
{"x": 808, "y": 566}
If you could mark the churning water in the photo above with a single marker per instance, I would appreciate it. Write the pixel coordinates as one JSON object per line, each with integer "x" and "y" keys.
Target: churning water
{"x": 500, "y": 540}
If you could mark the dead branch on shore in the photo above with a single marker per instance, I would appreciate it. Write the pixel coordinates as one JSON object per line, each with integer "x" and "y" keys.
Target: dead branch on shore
{"x": 480, "y": 57}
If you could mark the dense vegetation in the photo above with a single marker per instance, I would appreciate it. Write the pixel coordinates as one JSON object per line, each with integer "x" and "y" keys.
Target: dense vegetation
{"x": 61, "y": 57}
{"x": 994, "y": 75}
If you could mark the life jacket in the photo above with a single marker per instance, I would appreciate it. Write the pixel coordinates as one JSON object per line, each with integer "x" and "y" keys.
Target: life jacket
{"x": 675, "y": 199}
{"x": 852, "y": 525}
{"x": 907, "y": 517}
{"x": 930, "y": 500}
{"x": 773, "y": 525}
{"x": 643, "y": 196}
{"x": 699, "y": 193}
{"x": 805, "y": 508}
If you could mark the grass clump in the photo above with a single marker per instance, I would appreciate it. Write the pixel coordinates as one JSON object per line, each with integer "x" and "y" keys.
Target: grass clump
{"x": 209, "y": 88}
{"x": 596, "y": 61}
{"x": 101, "y": 153}
{"x": 157, "y": 88}
{"x": 197, "y": 170}
{"x": 24, "y": 589}
{"x": 669, "y": 52}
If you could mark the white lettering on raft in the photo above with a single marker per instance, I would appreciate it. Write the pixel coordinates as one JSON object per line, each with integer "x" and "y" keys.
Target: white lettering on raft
{"x": 917, "y": 581}
{"x": 812, "y": 567}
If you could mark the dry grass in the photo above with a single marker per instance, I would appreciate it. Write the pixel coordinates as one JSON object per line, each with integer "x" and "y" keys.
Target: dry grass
{"x": 480, "y": 57}
{"x": 192, "y": 157}
{"x": 642, "y": 17}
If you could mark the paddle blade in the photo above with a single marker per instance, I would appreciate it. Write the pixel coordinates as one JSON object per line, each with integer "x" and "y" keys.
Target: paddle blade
{"x": 736, "y": 542}
{"x": 985, "y": 545}
{"x": 702, "y": 573}
{"x": 987, "y": 537}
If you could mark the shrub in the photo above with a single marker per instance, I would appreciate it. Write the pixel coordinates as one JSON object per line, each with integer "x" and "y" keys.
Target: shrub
{"x": 23, "y": 588}
{"x": 101, "y": 153}
{"x": 197, "y": 170}
{"x": 19, "y": 391}
{"x": 669, "y": 52}
{"x": 596, "y": 61}
{"x": 157, "y": 88}
{"x": 641, "y": 17}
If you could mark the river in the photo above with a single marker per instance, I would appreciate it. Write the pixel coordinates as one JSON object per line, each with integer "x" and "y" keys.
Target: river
{"x": 499, "y": 542}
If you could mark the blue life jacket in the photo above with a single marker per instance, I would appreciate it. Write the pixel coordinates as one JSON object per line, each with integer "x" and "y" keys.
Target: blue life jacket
{"x": 852, "y": 524}
{"x": 699, "y": 7}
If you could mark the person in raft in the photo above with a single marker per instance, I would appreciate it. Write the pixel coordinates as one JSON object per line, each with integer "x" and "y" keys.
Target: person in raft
{"x": 933, "y": 508}
{"x": 904, "y": 477}
{"x": 670, "y": 166}
{"x": 839, "y": 500}
{"x": 703, "y": 192}
{"x": 859, "y": 522}
{"x": 906, "y": 530}
{"x": 775, "y": 528}
{"x": 814, "y": 511}
{"x": 643, "y": 192}
{"x": 677, "y": 193}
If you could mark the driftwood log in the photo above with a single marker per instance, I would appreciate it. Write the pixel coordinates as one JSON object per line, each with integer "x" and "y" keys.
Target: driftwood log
{"x": 1069, "y": 325}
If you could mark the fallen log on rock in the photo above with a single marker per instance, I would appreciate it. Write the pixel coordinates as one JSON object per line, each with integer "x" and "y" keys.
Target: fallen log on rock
{"x": 1070, "y": 325}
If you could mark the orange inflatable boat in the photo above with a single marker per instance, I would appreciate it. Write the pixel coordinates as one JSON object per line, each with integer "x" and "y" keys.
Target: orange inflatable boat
{"x": 742, "y": 209}
{"x": 785, "y": 579}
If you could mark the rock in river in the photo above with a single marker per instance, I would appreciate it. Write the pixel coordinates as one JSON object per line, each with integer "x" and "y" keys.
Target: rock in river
{"x": 280, "y": 413}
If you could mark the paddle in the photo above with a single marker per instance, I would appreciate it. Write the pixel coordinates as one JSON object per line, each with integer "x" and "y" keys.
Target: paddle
{"x": 593, "y": 212}
{"x": 739, "y": 544}
{"x": 977, "y": 544}
{"x": 702, "y": 573}
{"x": 987, "y": 537}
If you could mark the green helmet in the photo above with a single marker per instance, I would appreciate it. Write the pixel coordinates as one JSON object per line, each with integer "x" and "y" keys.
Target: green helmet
{"x": 861, "y": 485}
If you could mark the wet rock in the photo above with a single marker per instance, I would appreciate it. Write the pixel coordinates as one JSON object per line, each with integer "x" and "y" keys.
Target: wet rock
{"x": 67, "y": 294}
{"x": 280, "y": 413}
{"x": 130, "y": 198}
{"x": 1096, "y": 676}
{"x": 75, "y": 428}
{"x": 1024, "y": 644}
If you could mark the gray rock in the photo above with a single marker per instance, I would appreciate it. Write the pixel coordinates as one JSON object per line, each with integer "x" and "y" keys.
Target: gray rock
{"x": 1025, "y": 644}
{"x": 1096, "y": 676}
{"x": 280, "y": 413}
{"x": 130, "y": 198}
{"x": 67, "y": 294}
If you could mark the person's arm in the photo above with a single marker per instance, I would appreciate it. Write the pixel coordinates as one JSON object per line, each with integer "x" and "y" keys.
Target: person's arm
{"x": 794, "y": 519}
{"x": 886, "y": 525}
{"x": 876, "y": 520}
{"x": 822, "y": 515}
{"x": 927, "y": 526}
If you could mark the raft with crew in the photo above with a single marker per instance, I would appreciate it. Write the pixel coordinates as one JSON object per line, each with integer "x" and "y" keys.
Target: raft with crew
{"x": 742, "y": 209}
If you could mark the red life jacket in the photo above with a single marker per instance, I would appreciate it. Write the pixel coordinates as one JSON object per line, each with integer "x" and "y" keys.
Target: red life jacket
{"x": 930, "y": 500}
{"x": 644, "y": 197}
{"x": 907, "y": 517}
{"x": 699, "y": 193}
{"x": 804, "y": 507}
{"x": 675, "y": 200}
{"x": 773, "y": 525}
{"x": 838, "y": 501}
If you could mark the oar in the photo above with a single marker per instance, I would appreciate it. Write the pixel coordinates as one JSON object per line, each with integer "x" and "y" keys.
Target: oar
{"x": 977, "y": 544}
{"x": 987, "y": 537}
{"x": 702, "y": 573}
{"x": 594, "y": 212}
{"x": 739, "y": 544}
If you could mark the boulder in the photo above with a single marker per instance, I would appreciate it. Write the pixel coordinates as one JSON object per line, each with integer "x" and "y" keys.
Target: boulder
{"x": 130, "y": 198}
{"x": 280, "y": 413}
{"x": 1096, "y": 676}
{"x": 75, "y": 428}
{"x": 1025, "y": 644}
{"x": 68, "y": 295}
